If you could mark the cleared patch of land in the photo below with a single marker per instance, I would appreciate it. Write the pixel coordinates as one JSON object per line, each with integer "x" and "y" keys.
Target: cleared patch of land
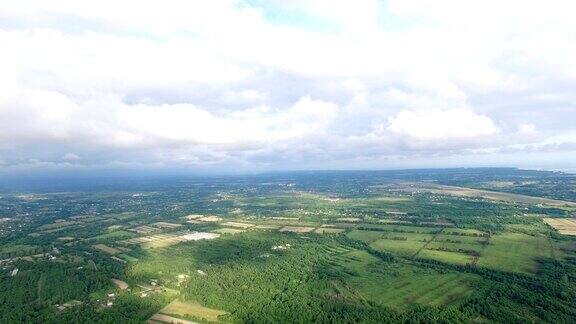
{"x": 210, "y": 219}
{"x": 365, "y": 236}
{"x": 267, "y": 227}
{"x": 238, "y": 224}
{"x": 128, "y": 257}
{"x": 161, "y": 318}
{"x": 407, "y": 286}
{"x": 329, "y": 230}
{"x": 493, "y": 195}
{"x": 165, "y": 225}
{"x": 106, "y": 249}
{"x": 296, "y": 229}
{"x": 406, "y": 244}
{"x": 144, "y": 229}
{"x": 450, "y": 245}
{"x": 349, "y": 219}
{"x": 164, "y": 240}
{"x": 453, "y": 257}
{"x": 225, "y": 230}
{"x": 115, "y": 234}
{"x": 508, "y": 251}
{"x": 193, "y": 309}
{"x": 120, "y": 284}
{"x": 566, "y": 226}
{"x": 515, "y": 252}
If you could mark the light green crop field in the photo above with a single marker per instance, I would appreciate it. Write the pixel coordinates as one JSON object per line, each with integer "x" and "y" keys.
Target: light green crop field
{"x": 128, "y": 257}
{"x": 117, "y": 234}
{"x": 365, "y": 236}
{"x": 515, "y": 252}
{"x": 459, "y": 239}
{"x": 401, "y": 228}
{"x": 455, "y": 246}
{"x": 408, "y": 247}
{"x": 415, "y": 229}
{"x": 402, "y": 285}
{"x": 433, "y": 289}
{"x": 446, "y": 256}
{"x": 465, "y": 231}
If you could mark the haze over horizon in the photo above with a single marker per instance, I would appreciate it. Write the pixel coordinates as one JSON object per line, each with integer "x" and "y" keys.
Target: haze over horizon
{"x": 242, "y": 86}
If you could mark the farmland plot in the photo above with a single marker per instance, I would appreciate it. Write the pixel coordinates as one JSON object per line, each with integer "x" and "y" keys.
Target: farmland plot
{"x": 566, "y": 226}
{"x": 515, "y": 252}
{"x": 192, "y": 309}
{"x": 297, "y": 229}
{"x": 164, "y": 240}
{"x": 106, "y": 249}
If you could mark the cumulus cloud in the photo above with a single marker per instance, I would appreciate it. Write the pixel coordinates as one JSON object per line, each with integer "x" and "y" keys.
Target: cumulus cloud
{"x": 283, "y": 84}
{"x": 70, "y": 157}
{"x": 183, "y": 122}
{"x": 442, "y": 124}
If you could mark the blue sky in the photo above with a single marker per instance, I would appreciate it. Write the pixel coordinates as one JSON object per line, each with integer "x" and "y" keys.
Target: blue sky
{"x": 274, "y": 85}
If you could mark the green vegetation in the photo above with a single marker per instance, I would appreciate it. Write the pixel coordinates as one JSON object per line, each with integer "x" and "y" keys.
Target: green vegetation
{"x": 375, "y": 250}
{"x": 515, "y": 252}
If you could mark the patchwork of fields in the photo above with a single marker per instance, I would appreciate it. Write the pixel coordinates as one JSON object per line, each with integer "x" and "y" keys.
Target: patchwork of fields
{"x": 328, "y": 251}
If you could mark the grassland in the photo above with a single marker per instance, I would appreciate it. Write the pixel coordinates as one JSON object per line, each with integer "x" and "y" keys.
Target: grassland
{"x": 515, "y": 252}
{"x": 406, "y": 286}
{"x": 406, "y": 244}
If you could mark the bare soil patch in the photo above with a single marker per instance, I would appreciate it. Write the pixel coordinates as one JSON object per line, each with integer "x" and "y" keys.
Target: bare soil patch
{"x": 165, "y": 225}
{"x": 161, "y": 318}
{"x": 238, "y": 224}
{"x": 566, "y": 226}
{"x": 329, "y": 230}
{"x": 210, "y": 219}
{"x": 106, "y": 249}
{"x": 349, "y": 219}
{"x": 120, "y": 284}
{"x": 296, "y": 229}
{"x": 192, "y": 308}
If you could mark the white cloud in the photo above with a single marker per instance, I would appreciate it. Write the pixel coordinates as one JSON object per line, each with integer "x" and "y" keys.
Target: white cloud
{"x": 526, "y": 129}
{"x": 441, "y": 124}
{"x": 228, "y": 81}
{"x": 198, "y": 126}
{"x": 70, "y": 157}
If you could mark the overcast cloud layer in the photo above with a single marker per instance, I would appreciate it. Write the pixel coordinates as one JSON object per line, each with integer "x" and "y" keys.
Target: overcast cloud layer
{"x": 242, "y": 85}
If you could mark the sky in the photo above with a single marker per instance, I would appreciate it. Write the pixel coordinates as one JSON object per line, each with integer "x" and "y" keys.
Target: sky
{"x": 226, "y": 85}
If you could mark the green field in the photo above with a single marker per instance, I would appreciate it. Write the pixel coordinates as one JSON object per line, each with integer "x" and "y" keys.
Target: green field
{"x": 406, "y": 244}
{"x": 365, "y": 236}
{"x": 402, "y": 285}
{"x": 515, "y": 252}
